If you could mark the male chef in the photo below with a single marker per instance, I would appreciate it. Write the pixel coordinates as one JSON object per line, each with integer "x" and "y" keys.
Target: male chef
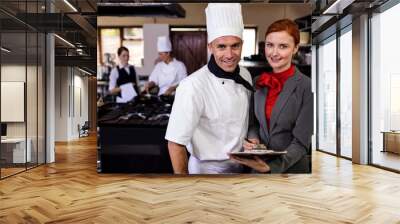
{"x": 209, "y": 116}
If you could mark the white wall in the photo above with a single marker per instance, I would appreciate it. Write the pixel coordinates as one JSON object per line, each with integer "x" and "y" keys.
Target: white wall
{"x": 61, "y": 103}
{"x": 150, "y": 34}
{"x": 80, "y": 98}
{"x": 71, "y": 94}
{"x": 15, "y": 72}
{"x": 360, "y": 90}
{"x": 33, "y": 126}
{"x": 50, "y": 93}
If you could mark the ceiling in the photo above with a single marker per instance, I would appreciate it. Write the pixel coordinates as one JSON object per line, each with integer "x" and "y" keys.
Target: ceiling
{"x": 76, "y": 22}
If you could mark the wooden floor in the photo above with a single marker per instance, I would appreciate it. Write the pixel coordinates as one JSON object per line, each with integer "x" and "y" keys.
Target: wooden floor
{"x": 10, "y": 171}
{"x": 5, "y": 172}
{"x": 70, "y": 191}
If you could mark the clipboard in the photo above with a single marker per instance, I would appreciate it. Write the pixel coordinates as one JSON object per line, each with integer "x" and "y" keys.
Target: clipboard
{"x": 257, "y": 152}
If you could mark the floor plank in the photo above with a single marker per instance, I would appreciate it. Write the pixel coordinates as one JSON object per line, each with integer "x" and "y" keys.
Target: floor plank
{"x": 71, "y": 191}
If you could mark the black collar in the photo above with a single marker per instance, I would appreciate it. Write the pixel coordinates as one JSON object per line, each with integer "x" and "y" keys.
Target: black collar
{"x": 235, "y": 75}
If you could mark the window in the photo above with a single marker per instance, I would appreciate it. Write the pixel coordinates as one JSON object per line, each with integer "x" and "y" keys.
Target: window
{"x": 334, "y": 77}
{"x": 249, "y": 42}
{"x": 110, "y": 42}
{"x": 327, "y": 96}
{"x": 346, "y": 74}
{"x": 133, "y": 40}
{"x": 130, "y": 37}
{"x": 385, "y": 85}
{"x": 22, "y": 76}
{"x": 394, "y": 101}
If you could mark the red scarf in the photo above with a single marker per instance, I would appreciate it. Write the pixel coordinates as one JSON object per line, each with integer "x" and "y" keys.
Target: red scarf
{"x": 274, "y": 82}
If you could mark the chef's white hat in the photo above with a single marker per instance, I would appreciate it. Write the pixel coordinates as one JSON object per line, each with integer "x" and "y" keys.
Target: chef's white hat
{"x": 224, "y": 19}
{"x": 163, "y": 44}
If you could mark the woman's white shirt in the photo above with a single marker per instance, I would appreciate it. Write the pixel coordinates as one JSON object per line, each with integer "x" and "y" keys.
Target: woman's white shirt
{"x": 114, "y": 76}
{"x": 113, "y": 83}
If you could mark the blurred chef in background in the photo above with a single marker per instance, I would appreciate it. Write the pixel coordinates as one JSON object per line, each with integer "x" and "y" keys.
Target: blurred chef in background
{"x": 168, "y": 72}
{"x": 123, "y": 82}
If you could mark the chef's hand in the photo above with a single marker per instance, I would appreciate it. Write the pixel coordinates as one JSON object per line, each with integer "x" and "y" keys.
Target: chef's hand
{"x": 251, "y": 143}
{"x": 146, "y": 88}
{"x": 169, "y": 91}
{"x": 256, "y": 163}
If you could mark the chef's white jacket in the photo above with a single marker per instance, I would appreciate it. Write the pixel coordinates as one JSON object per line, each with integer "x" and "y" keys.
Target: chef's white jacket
{"x": 210, "y": 115}
{"x": 167, "y": 75}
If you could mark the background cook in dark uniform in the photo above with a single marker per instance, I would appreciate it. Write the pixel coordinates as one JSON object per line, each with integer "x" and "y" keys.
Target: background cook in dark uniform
{"x": 121, "y": 76}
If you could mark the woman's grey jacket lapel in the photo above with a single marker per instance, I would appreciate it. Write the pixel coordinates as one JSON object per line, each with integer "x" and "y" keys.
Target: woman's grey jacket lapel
{"x": 283, "y": 97}
{"x": 261, "y": 94}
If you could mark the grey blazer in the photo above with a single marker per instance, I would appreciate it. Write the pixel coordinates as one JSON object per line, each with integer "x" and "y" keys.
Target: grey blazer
{"x": 291, "y": 124}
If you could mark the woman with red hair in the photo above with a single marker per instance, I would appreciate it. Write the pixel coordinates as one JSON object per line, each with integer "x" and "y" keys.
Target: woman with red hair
{"x": 283, "y": 106}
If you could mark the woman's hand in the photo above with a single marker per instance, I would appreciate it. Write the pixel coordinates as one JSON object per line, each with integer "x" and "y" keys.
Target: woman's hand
{"x": 115, "y": 91}
{"x": 256, "y": 163}
{"x": 251, "y": 143}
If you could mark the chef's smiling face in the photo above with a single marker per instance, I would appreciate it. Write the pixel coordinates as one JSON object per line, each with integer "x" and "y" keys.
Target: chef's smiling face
{"x": 279, "y": 49}
{"x": 226, "y": 51}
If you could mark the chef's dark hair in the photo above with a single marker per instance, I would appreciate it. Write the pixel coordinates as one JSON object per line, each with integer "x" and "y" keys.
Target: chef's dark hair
{"x": 121, "y": 49}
